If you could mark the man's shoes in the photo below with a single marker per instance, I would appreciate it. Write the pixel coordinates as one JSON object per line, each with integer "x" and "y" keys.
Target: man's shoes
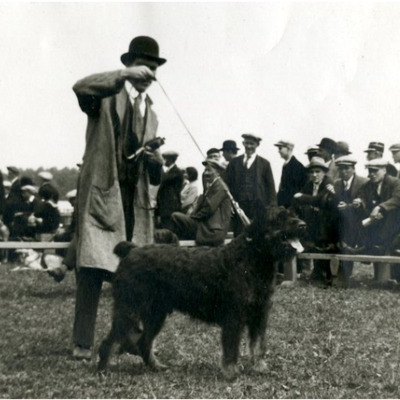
{"x": 82, "y": 353}
{"x": 54, "y": 265}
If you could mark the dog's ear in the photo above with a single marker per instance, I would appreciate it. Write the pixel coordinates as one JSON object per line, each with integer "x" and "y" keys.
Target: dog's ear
{"x": 122, "y": 249}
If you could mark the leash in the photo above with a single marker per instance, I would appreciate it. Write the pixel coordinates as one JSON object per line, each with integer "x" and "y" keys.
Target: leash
{"x": 241, "y": 214}
{"x": 180, "y": 118}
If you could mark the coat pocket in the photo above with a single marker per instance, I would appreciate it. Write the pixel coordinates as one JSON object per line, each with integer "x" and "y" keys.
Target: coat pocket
{"x": 105, "y": 207}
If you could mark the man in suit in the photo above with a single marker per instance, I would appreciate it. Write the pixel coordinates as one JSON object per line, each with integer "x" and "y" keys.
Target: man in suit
{"x": 346, "y": 189}
{"x": 378, "y": 206}
{"x": 168, "y": 195}
{"x": 229, "y": 150}
{"x": 119, "y": 164}
{"x": 375, "y": 150}
{"x": 315, "y": 205}
{"x": 327, "y": 148}
{"x": 209, "y": 222}
{"x": 294, "y": 175}
{"x": 250, "y": 180}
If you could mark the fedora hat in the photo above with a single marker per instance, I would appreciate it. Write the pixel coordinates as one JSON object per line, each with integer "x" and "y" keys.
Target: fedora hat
{"x": 318, "y": 162}
{"x": 229, "y": 145}
{"x": 342, "y": 148}
{"x": 142, "y": 46}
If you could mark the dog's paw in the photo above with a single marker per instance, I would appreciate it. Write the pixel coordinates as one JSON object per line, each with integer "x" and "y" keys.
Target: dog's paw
{"x": 230, "y": 371}
{"x": 260, "y": 366}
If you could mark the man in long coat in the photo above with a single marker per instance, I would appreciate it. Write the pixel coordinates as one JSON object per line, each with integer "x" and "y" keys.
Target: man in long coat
{"x": 250, "y": 180}
{"x": 113, "y": 202}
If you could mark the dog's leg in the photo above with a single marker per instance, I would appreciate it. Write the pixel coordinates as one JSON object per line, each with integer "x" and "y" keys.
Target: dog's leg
{"x": 231, "y": 333}
{"x": 126, "y": 328}
{"x": 152, "y": 326}
{"x": 257, "y": 328}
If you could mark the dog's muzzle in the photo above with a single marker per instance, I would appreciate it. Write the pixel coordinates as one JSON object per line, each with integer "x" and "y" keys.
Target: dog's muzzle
{"x": 300, "y": 233}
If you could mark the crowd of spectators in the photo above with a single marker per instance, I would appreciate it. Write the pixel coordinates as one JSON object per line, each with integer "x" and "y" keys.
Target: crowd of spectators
{"x": 344, "y": 212}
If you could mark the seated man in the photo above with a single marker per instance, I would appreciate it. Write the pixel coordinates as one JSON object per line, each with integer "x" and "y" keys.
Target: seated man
{"x": 378, "y": 207}
{"x": 315, "y": 205}
{"x": 209, "y": 222}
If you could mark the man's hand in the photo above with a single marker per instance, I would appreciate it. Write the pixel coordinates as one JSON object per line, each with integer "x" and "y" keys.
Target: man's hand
{"x": 298, "y": 195}
{"x": 330, "y": 188}
{"x": 376, "y": 213}
{"x": 138, "y": 73}
{"x": 153, "y": 155}
{"x": 342, "y": 206}
{"x": 357, "y": 203}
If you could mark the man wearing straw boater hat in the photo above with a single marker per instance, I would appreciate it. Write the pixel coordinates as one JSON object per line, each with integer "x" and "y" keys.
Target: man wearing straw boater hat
{"x": 118, "y": 166}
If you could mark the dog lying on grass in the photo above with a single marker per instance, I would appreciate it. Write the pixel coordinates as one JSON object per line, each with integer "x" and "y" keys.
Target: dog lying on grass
{"x": 230, "y": 286}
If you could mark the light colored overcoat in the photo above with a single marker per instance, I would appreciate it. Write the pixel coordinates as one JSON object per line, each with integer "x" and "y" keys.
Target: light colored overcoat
{"x": 100, "y": 216}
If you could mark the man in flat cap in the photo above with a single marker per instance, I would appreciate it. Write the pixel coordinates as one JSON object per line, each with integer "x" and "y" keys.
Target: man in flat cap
{"x": 378, "y": 206}
{"x": 395, "y": 149}
{"x": 294, "y": 175}
{"x": 312, "y": 151}
{"x": 209, "y": 222}
{"x": 114, "y": 199}
{"x": 46, "y": 184}
{"x": 168, "y": 195}
{"x": 346, "y": 189}
{"x": 250, "y": 180}
{"x": 375, "y": 150}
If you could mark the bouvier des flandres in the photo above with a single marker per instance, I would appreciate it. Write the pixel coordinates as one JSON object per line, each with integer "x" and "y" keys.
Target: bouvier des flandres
{"x": 230, "y": 286}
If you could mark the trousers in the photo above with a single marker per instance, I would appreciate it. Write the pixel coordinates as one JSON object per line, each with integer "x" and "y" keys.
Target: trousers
{"x": 89, "y": 283}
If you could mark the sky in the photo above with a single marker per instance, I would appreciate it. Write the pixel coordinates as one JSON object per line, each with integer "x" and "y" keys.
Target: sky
{"x": 296, "y": 71}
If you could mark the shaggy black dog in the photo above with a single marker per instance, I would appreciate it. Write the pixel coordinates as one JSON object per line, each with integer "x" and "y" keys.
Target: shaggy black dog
{"x": 229, "y": 285}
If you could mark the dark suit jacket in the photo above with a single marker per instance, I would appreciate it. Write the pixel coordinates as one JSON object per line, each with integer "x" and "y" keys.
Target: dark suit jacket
{"x": 340, "y": 194}
{"x": 319, "y": 212}
{"x": 389, "y": 198}
{"x": 265, "y": 187}
{"x": 294, "y": 177}
{"x": 213, "y": 213}
{"x": 168, "y": 195}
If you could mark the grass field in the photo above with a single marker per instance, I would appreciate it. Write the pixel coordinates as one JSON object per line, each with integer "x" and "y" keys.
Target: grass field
{"x": 322, "y": 343}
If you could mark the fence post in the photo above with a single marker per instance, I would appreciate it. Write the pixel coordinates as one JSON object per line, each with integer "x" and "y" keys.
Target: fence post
{"x": 290, "y": 270}
{"x": 334, "y": 266}
{"x": 382, "y": 272}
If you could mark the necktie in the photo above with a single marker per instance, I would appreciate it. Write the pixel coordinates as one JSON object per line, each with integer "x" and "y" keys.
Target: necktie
{"x": 346, "y": 185}
{"x": 315, "y": 189}
{"x": 246, "y": 162}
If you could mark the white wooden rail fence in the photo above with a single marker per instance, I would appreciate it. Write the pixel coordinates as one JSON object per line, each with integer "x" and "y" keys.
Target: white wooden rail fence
{"x": 290, "y": 268}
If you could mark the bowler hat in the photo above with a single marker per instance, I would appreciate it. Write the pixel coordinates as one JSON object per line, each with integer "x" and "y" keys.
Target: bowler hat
{"x": 318, "y": 162}
{"x": 327, "y": 144}
{"x": 375, "y": 146}
{"x": 342, "y": 148}
{"x": 214, "y": 164}
{"x": 142, "y": 46}
{"x": 251, "y": 136}
{"x": 229, "y": 145}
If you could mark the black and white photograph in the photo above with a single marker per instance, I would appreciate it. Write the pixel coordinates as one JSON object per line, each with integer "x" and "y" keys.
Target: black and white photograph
{"x": 200, "y": 200}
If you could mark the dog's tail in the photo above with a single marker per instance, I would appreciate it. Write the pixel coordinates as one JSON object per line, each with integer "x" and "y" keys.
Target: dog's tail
{"x": 122, "y": 249}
